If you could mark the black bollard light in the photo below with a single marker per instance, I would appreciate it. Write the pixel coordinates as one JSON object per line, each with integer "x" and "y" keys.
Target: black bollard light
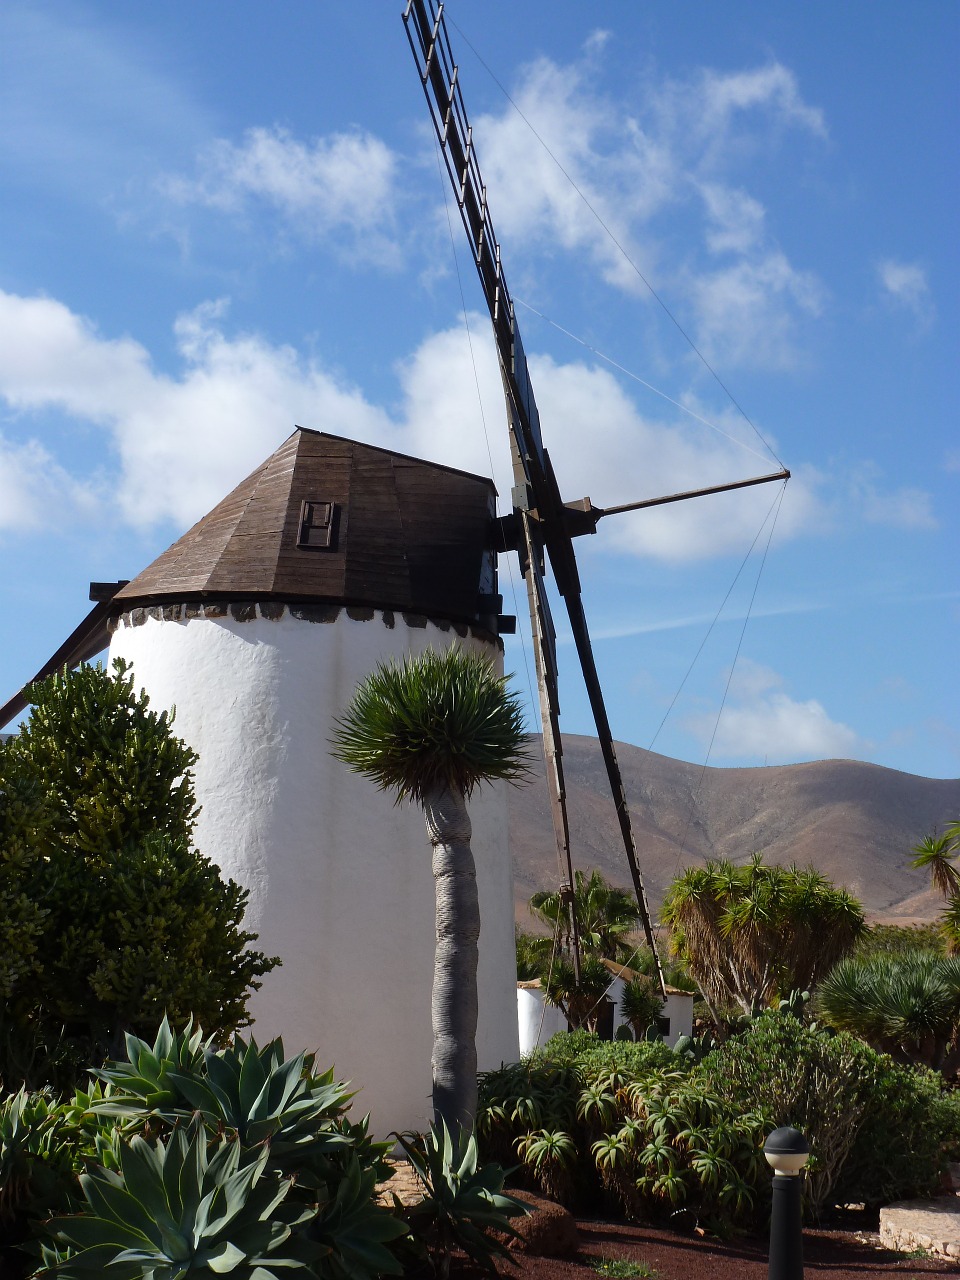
{"x": 787, "y": 1152}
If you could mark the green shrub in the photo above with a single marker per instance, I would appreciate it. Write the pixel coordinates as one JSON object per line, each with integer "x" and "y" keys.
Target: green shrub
{"x": 591, "y": 1053}
{"x": 899, "y": 939}
{"x": 110, "y": 917}
{"x": 591, "y": 1119}
{"x": 906, "y": 1005}
{"x": 877, "y": 1131}
{"x": 666, "y": 1130}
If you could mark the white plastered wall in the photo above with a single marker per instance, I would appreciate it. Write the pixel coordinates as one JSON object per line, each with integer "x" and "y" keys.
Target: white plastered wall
{"x": 339, "y": 876}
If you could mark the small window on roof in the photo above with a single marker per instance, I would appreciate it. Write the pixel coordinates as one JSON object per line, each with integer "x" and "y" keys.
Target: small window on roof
{"x": 317, "y": 525}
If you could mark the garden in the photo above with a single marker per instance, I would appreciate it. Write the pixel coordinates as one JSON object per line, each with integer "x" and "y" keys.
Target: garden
{"x": 145, "y": 1133}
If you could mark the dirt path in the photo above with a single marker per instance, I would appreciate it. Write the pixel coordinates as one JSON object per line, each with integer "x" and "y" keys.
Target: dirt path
{"x": 828, "y": 1255}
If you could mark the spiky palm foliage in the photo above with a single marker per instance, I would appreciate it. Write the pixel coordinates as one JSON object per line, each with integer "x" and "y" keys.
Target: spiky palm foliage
{"x": 907, "y": 1006}
{"x": 750, "y": 933}
{"x": 432, "y": 729}
{"x": 580, "y": 1002}
{"x": 605, "y": 915}
{"x": 938, "y": 855}
{"x": 640, "y": 1003}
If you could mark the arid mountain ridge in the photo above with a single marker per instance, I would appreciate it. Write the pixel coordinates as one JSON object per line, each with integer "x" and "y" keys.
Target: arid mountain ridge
{"x": 855, "y": 822}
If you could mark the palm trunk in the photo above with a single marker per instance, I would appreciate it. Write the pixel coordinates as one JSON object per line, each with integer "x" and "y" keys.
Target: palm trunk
{"x": 454, "y": 1004}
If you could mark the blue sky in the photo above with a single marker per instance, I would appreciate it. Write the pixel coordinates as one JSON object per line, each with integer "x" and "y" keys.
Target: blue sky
{"x": 222, "y": 220}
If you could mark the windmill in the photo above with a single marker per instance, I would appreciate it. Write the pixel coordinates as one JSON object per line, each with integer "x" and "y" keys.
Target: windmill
{"x": 258, "y": 623}
{"x": 541, "y": 526}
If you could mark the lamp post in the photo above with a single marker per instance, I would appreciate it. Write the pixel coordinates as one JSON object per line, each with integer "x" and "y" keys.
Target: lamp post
{"x": 787, "y": 1152}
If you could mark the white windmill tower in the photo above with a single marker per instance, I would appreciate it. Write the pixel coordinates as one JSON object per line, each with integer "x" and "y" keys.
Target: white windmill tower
{"x": 257, "y": 625}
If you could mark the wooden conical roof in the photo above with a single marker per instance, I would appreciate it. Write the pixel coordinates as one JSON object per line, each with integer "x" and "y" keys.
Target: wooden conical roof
{"x": 406, "y": 534}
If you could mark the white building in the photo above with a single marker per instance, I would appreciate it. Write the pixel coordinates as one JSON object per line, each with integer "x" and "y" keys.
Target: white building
{"x": 538, "y": 1019}
{"x": 257, "y": 625}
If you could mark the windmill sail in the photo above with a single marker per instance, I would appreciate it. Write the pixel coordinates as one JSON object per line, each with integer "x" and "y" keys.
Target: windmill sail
{"x": 536, "y": 495}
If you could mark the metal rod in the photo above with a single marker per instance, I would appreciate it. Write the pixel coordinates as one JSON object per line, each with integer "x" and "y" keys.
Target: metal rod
{"x": 690, "y": 493}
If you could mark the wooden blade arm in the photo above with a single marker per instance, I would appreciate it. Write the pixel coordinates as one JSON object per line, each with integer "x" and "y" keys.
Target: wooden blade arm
{"x": 544, "y": 649}
{"x": 581, "y": 635}
{"x": 430, "y": 45}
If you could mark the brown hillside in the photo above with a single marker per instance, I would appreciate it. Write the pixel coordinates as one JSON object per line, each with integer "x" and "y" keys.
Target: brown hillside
{"x": 855, "y": 822}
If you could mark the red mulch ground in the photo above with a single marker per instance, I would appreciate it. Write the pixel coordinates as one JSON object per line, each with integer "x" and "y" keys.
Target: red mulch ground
{"x": 828, "y": 1255}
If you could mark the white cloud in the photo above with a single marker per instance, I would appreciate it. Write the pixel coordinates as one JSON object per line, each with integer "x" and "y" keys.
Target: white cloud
{"x": 747, "y": 313}
{"x": 343, "y": 183}
{"x": 905, "y": 284}
{"x": 951, "y": 460}
{"x": 35, "y": 490}
{"x": 908, "y": 507}
{"x": 175, "y": 443}
{"x": 761, "y": 722}
{"x": 601, "y": 447}
{"x": 672, "y": 159}
{"x": 178, "y": 443}
{"x": 773, "y": 88}
{"x": 735, "y": 218}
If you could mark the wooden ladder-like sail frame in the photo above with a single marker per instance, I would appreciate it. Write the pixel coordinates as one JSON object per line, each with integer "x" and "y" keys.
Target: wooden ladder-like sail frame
{"x": 536, "y": 496}
{"x": 540, "y": 521}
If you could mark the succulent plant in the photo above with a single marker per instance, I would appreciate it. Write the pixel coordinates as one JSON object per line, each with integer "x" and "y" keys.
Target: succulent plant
{"x": 145, "y": 1081}
{"x": 463, "y": 1204}
{"x": 176, "y": 1211}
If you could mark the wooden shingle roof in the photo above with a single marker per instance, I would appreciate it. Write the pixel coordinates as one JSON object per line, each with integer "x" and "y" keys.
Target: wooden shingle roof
{"x": 403, "y": 534}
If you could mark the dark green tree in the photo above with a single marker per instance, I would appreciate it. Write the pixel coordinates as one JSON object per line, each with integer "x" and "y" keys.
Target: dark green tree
{"x": 112, "y": 917}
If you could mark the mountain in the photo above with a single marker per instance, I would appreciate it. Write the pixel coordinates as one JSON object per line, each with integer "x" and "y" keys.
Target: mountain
{"x": 854, "y": 822}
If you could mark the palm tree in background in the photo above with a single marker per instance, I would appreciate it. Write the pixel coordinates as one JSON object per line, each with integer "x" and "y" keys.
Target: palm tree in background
{"x": 606, "y": 916}
{"x": 432, "y": 729}
{"x": 938, "y": 855}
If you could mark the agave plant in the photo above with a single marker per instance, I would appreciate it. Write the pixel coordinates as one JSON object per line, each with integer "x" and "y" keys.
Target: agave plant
{"x": 145, "y": 1081}
{"x": 176, "y": 1211}
{"x": 353, "y": 1231}
{"x": 35, "y": 1167}
{"x": 463, "y": 1203}
{"x": 255, "y": 1093}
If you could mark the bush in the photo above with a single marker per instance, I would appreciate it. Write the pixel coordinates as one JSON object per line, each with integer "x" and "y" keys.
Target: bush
{"x": 110, "y": 916}
{"x": 899, "y": 940}
{"x": 627, "y": 1122}
{"x": 666, "y": 1131}
{"x": 877, "y": 1131}
{"x": 906, "y": 1005}
{"x": 595, "y": 1055}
